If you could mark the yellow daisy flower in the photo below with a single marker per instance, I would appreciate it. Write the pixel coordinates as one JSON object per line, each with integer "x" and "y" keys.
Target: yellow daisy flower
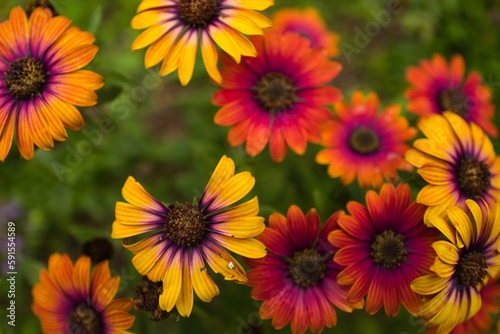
{"x": 458, "y": 161}
{"x": 187, "y": 236}
{"x": 174, "y": 28}
{"x": 463, "y": 265}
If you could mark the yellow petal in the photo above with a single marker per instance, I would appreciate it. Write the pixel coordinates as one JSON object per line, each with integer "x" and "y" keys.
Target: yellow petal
{"x": 159, "y": 49}
{"x": 436, "y": 174}
{"x": 428, "y": 285}
{"x": 232, "y": 191}
{"x": 203, "y": 285}
{"x": 222, "y": 262}
{"x": 149, "y": 36}
{"x": 247, "y": 209}
{"x": 187, "y": 59}
{"x": 209, "y": 55}
{"x": 446, "y": 251}
{"x": 222, "y": 173}
{"x": 251, "y": 248}
{"x": 136, "y": 195}
{"x": 172, "y": 59}
{"x": 172, "y": 283}
{"x": 462, "y": 223}
{"x": 243, "y": 227}
{"x": 442, "y": 269}
{"x": 184, "y": 303}
{"x": 242, "y": 23}
{"x": 223, "y": 39}
{"x": 445, "y": 227}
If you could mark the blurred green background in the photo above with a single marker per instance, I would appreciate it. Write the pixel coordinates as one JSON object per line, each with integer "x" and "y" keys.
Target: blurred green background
{"x": 164, "y": 136}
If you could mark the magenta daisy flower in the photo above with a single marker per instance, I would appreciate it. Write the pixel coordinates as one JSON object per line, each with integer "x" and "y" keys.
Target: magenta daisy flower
{"x": 365, "y": 144}
{"x": 278, "y": 97}
{"x": 296, "y": 280}
{"x": 384, "y": 246}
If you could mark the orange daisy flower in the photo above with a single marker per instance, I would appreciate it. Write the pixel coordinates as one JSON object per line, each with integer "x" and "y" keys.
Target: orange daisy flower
{"x": 41, "y": 80}
{"x": 309, "y": 24}
{"x": 71, "y": 299}
{"x": 365, "y": 144}
{"x": 175, "y": 27}
{"x": 438, "y": 86}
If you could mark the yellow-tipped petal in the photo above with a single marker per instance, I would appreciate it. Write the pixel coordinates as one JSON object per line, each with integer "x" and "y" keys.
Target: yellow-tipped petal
{"x": 429, "y": 284}
{"x": 445, "y": 227}
{"x": 222, "y": 173}
{"x": 171, "y": 62}
{"x": 222, "y": 262}
{"x": 446, "y": 251}
{"x": 247, "y": 209}
{"x": 462, "y": 223}
{"x": 243, "y": 227}
{"x": 136, "y": 195}
{"x": 242, "y": 23}
{"x": 187, "y": 59}
{"x": 233, "y": 190}
{"x": 184, "y": 303}
{"x": 209, "y": 55}
{"x": 203, "y": 285}
{"x": 442, "y": 269}
{"x": 149, "y": 36}
{"x": 223, "y": 39}
{"x": 159, "y": 49}
{"x": 172, "y": 283}
{"x": 251, "y": 248}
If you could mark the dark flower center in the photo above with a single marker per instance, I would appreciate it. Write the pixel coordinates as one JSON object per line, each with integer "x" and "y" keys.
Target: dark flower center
{"x": 275, "y": 92}
{"x": 471, "y": 269}
{"x": 473, "y": 177}
{"x": 198, "y": 12}
{"x": 148, "y": 297}
{"x": 85, "y": 320}
{"x": 388, "y": 249}
{"x": 364, "y": 140}
{"x": 307, "y": 267}
{"x": 24, "y": 78}
{"x": 454, "y": 100}
{"x": 185, "y": 225}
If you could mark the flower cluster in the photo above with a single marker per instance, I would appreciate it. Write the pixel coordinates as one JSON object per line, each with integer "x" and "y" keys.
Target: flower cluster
{"x": 436, "y": 256}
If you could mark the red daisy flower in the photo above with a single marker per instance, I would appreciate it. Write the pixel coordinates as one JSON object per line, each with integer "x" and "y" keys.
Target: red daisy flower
{"x": 279, "y": 96}
{"x": 437, "y": 87}
{"x": 365, "y": 144}
{"x": 296, "y": 279}
{"x": 384, "y": 245}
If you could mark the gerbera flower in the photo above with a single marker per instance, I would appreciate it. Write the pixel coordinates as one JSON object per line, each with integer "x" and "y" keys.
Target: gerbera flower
{"x": 309, "y": 24}
{"x": 41, "y": 81}
{"x": 296, "y": 280}
{"x": 175, "y": 27}
{"x": 71, "y": 299}
{"x": 365, "y": 144}
{"x": 279, "y": 96}
{"x": 187, "y": 236}
{"x": 437, "y": 87}
{"x": 463, "y": 265}
{"x": 457, "y": 160}
{"x": 384, "y": 246}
